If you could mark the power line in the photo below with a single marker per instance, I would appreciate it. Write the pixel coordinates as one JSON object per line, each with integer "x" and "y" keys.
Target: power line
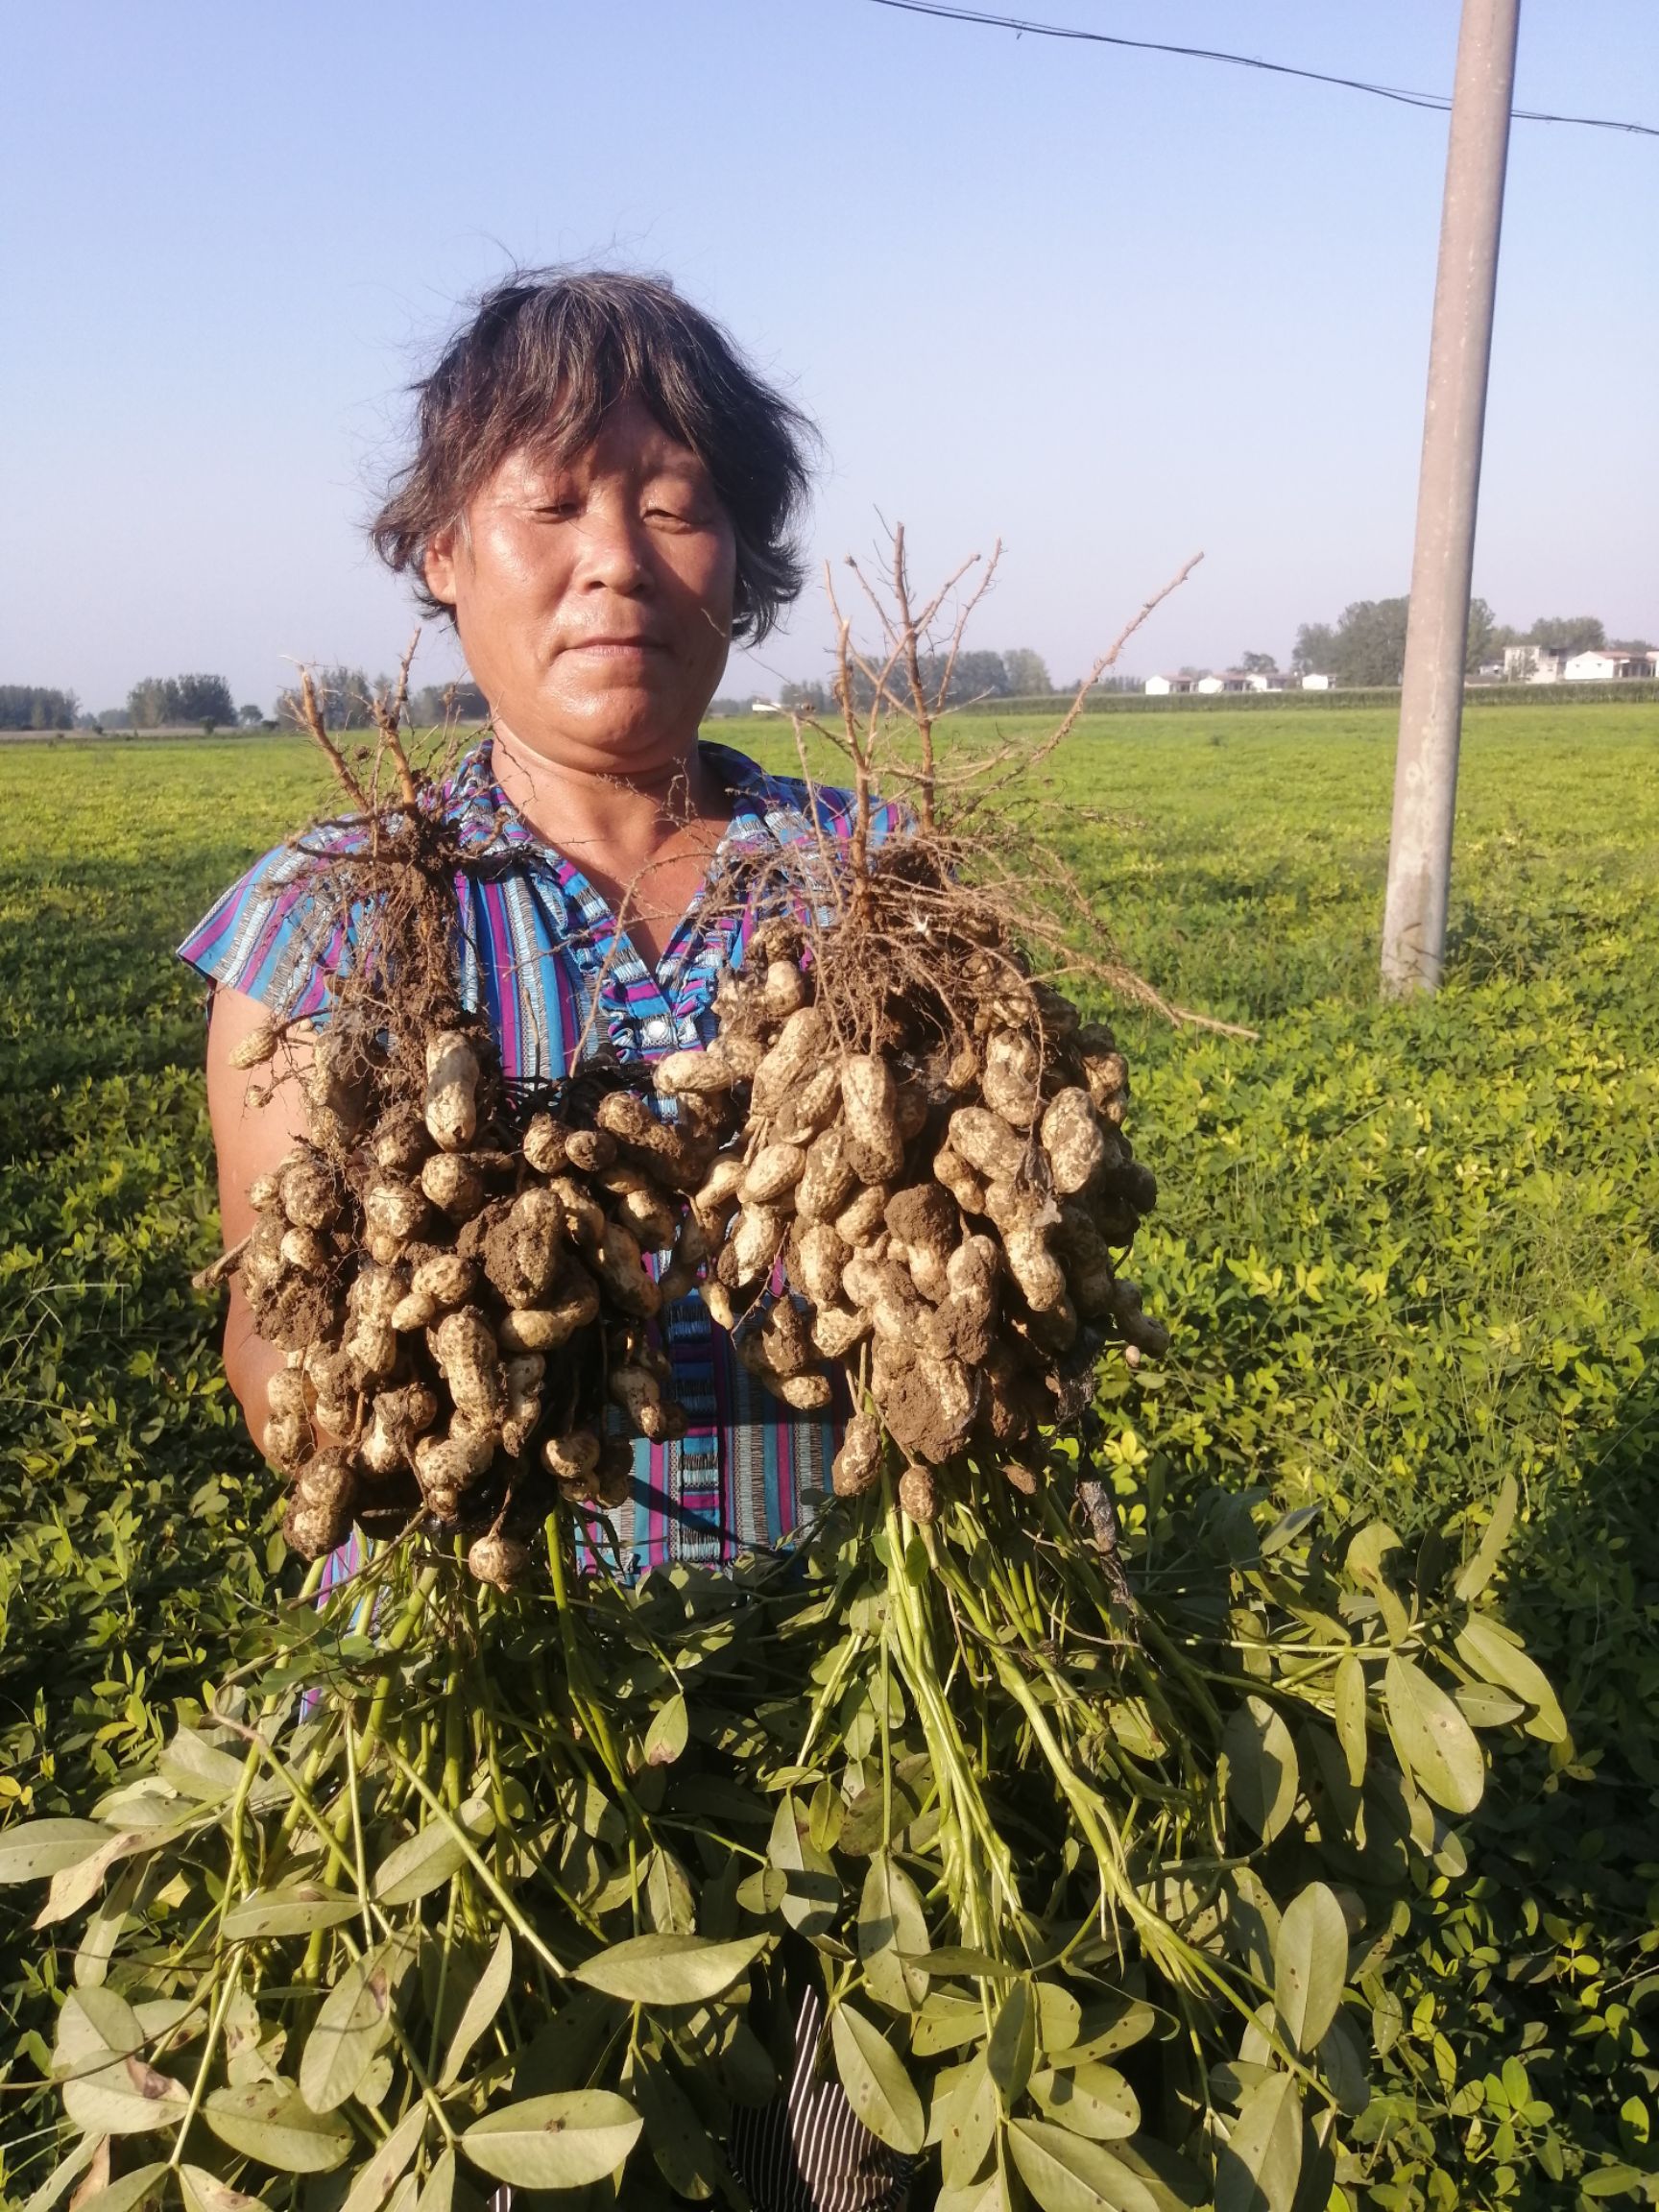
{"x": 1439, "y": 102}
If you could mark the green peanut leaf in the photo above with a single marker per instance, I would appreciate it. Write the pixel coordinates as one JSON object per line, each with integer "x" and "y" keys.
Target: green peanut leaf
{"x": 1012, "y": 2048}
{"x": 1089, "y": 2100}
{"x": 1251, "y": 1920}
{"x": 1435, "y": 1742}
{"x": 272, "y": 2122}
{"x": 670, "y": 1733}
{"x": 1350, "y": 1702}
{"x": 1263, "y": 1778}
{"x": 813, "y": 1893}
{"x": 1483, "y": 1705}
{"x": 1310, "y": 1964}
{"x": 1107, "y": 2029}
{"x": 669, "y": 1969}
{"x": 63, "y": 2174}
{"x": 127, "y": 2099}
{"x": 1066, "y": 2173}
{"x": 353, "y": 2022}
{"x": 763, "y": 1892}
{"x": 481, "y": 2007}
{"x": 291, "y": 1909}
{"x": 952, "y": 1961}
{"x": 1342, "y": 2062}
{"x": 94, "y": 2025}
{"x": 1486, "y": 1650}
{"x": 1287, "y": 1528}
{"x": 37, "y": 1849}
{"x": 968, "y": 2127}
{"x": 127, "y": 2191}
{"x": 1059, "y": 2017}
{"x": 203, "y": 2192}
{"x": 1260, "y": 2163}
{"x": 892, "y": 1932}
{"x": 1484, "y": 1565}
{"x": 946, "y": 2022}
{"x": 390, "y": 2163}
{"x": 986, "y": 2196}
{"x": 565, "y": 2140}
{"x": 426, "y": 1859}
{"x": 878, "y": 2086}
{"x": 200, "y": 1770}
{"x": 440, "y": 2192}
{"x": 679, "y": 2143}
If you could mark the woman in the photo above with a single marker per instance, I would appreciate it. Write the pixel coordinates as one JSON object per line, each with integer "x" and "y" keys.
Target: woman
{"x": 601, "y": 499}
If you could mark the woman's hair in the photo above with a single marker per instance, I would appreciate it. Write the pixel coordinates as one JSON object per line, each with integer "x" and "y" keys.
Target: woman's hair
{"x": 547, "y": 355}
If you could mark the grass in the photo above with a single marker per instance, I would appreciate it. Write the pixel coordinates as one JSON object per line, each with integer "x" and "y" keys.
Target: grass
{"x": 1407, "y": 1251}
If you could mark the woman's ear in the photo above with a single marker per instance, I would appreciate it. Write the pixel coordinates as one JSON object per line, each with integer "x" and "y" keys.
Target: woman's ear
{"x": 438, "y": 564}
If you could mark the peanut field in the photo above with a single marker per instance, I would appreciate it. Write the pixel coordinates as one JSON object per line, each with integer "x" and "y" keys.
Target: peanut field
{"x": 1404, "y": 1253}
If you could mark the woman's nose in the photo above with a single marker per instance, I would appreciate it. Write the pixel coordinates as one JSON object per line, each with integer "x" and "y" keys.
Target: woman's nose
{"x": 614, "y": 553}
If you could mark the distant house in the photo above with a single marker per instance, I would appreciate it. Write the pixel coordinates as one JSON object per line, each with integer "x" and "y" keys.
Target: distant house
{"x": 1532, "y": 664}
{"x": 1214, "y": 681}
{"x": 1607, "y": 666}
{"x": 1312, "y": 682}
{"x": 1555, "y": 664}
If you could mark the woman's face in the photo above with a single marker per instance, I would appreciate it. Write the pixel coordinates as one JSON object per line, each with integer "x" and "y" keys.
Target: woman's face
{"x": 593, "y": 596}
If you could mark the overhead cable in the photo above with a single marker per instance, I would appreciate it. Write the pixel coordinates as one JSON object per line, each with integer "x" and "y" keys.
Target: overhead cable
{"x": 1439, "y": 102}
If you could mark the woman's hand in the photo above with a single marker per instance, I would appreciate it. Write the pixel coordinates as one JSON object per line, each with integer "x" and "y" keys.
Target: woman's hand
{"x": 249, "y": 1141}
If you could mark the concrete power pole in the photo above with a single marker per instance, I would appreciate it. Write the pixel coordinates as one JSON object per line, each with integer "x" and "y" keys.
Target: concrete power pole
{"x": 1448, "y": 486}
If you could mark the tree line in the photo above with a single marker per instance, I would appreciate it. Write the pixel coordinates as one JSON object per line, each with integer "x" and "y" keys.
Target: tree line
{"x": 1016, "y": 673}
{"x": 36, "y": 707}
{"x": 1366, "y": 645}
{"x": 345, "y": 696}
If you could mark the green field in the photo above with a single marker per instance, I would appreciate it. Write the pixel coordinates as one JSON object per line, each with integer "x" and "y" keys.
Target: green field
{"x": 1405, "y": 1252}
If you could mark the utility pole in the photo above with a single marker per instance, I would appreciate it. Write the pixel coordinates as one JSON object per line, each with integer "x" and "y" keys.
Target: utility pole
{"x": 1448, "y": 486}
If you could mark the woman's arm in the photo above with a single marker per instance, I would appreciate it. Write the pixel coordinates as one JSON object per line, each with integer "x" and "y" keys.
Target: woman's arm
{"x": 249, "y": 1141}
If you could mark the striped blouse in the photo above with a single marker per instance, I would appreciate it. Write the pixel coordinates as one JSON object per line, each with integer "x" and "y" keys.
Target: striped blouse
{"x": 542, "y": 955}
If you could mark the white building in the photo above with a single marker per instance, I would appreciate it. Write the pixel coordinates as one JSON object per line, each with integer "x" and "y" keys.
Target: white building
{"x": 1607, "y": 665}
{"x": 1312, "y": 682}
{"x": 1161, "y": 686}
{"x": 1553, "y": 665}
{"x": 1532, "y": 664}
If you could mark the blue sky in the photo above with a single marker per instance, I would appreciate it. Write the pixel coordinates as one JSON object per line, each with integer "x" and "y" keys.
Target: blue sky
{"x": 1111, "y": 308}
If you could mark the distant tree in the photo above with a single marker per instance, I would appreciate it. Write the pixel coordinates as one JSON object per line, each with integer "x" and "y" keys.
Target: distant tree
{"x": 974, "y": 676}
{"x": 804, "y": 698}
{"x": 1258, "y": 665}
{"x": 113, "y": 718}
{"x": 250, "y": 716}
{"x": 36, "y": 707}
{"x": 1567, "y": 633}
{"x": 1482, "y": 638}
{"x": 1371, "y": 642}
{"x": 1368, "y": 645}
{"x": 435, "y": 704}
{"x": 205, "y": 699}
{"x": 160, "y": 700}
{"x": 1028, "y": 673}
{"x": 343, "y": 693}
{"x": 1632, "y": 645}
{"x": 148, "y": 703}
{"x": 1315, "y": 653}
